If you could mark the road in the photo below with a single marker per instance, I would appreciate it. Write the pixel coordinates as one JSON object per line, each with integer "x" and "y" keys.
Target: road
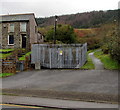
{"x": 40, "y": 83}
{"x": 97, "y": 85}
{"x": 25, "y": 107}
{"x": 96, "y": 81}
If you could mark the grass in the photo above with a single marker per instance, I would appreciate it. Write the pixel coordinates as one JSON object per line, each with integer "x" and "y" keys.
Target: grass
{"x": 4, "y": 55}
{"x": 90, "y": 51}
{"x": 23, "y": 57}
{"x": 6, "y": 50}
{"x": 5, "y": 74}
{"x": 89, "y": 64}
{"x": 107, "y": 61}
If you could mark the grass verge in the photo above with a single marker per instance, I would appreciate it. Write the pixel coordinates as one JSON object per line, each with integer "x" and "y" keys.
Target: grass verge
{"x": 89, "y": 64}
{"x": 107, "y": 61}
{"x": 5, "y": 74}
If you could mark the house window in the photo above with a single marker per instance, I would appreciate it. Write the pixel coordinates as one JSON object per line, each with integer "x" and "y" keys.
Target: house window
{"x": 23, "y": 27}
{"x": 11, "y": 27}
{"x": 11, "y": 40}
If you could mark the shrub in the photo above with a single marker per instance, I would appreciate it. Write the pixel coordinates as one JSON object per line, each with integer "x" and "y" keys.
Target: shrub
{"x": 64, "y": 34}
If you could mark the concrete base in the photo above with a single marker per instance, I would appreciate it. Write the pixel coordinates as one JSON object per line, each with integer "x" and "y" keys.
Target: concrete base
{"x": 37, "y": 66}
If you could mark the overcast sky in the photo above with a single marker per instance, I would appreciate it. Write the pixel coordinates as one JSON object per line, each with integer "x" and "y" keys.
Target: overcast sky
{"x": 46, "y": 8}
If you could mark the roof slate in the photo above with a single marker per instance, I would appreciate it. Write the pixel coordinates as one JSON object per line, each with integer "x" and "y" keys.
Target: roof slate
{"x": 16, "y": 17}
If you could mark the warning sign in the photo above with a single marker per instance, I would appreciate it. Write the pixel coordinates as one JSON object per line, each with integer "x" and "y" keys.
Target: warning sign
{"x": 61, "y": 52}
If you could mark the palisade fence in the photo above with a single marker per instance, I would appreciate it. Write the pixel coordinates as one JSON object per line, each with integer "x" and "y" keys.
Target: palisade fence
{"x": 59, "y": 55}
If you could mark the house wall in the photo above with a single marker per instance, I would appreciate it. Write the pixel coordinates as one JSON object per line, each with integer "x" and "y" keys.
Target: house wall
{"x": 40, "y": 38}
{"x": 0, "y": 35}
{"x": 17, "y": 35}
{"x": 33, "y": 31}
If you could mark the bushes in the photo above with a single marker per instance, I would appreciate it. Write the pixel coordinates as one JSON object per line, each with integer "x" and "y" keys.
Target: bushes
{"x": 115, "y": 48}
{"x": 64, "y": 33}
{"x": 111, "y": 40}
{"x": 92, "y": 42}
{"x": 105, "y": 48}
{"x": 112, "y": 44}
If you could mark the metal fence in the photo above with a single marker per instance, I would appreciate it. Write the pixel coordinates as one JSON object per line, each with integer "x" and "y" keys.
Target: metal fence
{"x": 59, "y": 56}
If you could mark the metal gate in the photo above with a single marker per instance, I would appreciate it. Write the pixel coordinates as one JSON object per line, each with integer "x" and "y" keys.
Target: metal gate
{"x": 59, "y": 56}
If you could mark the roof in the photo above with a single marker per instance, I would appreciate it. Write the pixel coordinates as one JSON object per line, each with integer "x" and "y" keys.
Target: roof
{"x": 16, "y": 17}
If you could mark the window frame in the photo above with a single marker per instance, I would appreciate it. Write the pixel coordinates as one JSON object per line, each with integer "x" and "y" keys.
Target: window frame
{"x": 9, "y": 40}
{"x": 21, "y": 29}
{"x": 10, "y": 27}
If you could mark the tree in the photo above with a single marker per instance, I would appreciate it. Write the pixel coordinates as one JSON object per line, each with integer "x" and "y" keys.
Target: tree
{"x": 64, "y": 33}
{"x": 111, "y": 40}
{"x": 115, "y": 46}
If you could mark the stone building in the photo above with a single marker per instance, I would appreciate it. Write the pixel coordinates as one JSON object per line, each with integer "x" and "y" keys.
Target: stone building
{"x": 18, "y": 31}
{"x": 40, "y": 38}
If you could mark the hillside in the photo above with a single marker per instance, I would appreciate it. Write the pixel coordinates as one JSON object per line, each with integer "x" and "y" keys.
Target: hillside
{"x": 89, "y": 32}
{"x": 82, "y": 20}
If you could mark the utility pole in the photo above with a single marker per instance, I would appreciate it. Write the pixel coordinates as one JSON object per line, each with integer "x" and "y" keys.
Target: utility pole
{"x": 55, "y": 29}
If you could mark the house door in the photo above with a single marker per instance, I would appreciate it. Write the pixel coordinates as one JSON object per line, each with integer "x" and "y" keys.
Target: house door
{"x": 23, "y": 41}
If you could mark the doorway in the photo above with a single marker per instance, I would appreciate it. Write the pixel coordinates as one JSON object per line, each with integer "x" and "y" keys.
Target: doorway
{"x": 23, "y": 40}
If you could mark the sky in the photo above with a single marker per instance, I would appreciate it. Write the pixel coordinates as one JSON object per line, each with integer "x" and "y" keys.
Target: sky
{"x": 46, "y": 8}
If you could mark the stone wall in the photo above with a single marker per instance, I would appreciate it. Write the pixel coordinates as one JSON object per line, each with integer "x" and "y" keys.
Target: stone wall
{"x": 17, "y": 36}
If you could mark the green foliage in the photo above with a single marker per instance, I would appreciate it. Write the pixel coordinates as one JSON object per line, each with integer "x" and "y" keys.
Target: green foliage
{"x": 107, "y": 61}
{"x": 111, "y": 40}
{"x": 4, "y": 55}
{"x": 6, "y": 50}
{"x": 64, "y": 33}
{"x": 92, "y": 42}
{"x": 89, "y": 64}
{"x": 23, "y": 57}
{"x": 105, "y": 48}
{"x": 115, "y": 46}
{"x": 90, "y": 51}
{"x": 5, "y": 74}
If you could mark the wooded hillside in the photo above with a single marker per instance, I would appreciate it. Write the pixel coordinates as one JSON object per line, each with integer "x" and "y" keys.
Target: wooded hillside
{"x": 82, "y": 20}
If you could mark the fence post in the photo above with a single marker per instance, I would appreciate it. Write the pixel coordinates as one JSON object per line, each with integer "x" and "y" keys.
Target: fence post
{"x": 50, "y": 57}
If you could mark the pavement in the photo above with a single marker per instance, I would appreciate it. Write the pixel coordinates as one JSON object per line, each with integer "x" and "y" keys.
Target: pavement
{"x": 54, "y": 103}
{"x": 11, "y": 106}
{"x": 25, "y": 107}
{"x": 98, "y": 64}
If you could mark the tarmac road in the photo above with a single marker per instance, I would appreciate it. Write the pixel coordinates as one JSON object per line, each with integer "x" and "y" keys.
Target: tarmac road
{"x": 95, "y": 81}
{"x": 98, "y": 84}
{"x": 92, "y": 81}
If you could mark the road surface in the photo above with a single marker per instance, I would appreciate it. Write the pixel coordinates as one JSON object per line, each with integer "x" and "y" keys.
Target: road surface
{"x": 97, "y": 85}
